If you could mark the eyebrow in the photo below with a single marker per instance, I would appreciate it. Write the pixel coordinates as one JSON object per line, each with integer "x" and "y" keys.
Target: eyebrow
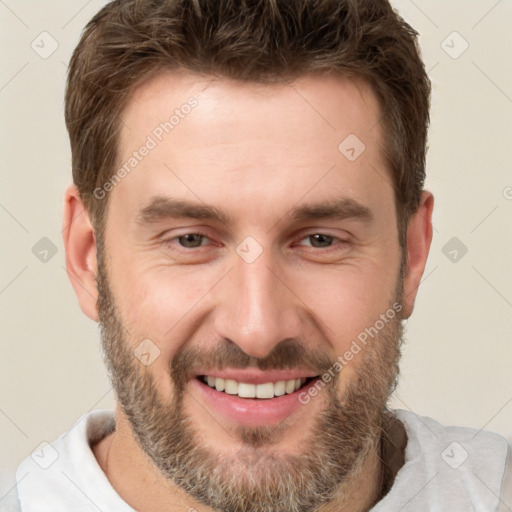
{"x": 162, "y": 207}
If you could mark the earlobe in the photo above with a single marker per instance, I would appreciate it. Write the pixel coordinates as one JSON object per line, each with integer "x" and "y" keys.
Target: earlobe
{"x": 80, "y": 245}
{"x": 419, "y": 238}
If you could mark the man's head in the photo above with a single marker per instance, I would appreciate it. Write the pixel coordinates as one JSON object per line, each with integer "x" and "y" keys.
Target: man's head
{"x": 247, "y": 176}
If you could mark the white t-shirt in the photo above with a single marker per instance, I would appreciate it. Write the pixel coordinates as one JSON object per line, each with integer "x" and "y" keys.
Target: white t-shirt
{"x": 446, "y": 469}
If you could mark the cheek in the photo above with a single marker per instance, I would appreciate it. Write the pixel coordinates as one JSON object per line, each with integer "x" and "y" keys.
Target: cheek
{"x": 349, "y": 297}
{"x": 153, "y": 311}
{"x": 156, "y": 303}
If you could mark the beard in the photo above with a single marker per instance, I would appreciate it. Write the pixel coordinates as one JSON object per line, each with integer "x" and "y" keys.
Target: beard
{"x": 256, "y": 479}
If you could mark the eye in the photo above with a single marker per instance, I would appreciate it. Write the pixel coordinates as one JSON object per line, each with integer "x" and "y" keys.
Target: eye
{"x": 320, "y": 240}
{"x": 188, "y": 240}
{"x": 197, "y": 239}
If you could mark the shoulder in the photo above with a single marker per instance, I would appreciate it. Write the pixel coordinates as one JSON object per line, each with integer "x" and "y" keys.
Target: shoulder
{"x": 65, "y": 471}
{"x": 455, "y": 442}
{"x": 448, "y": 468}
{"x": 9, "y": 501}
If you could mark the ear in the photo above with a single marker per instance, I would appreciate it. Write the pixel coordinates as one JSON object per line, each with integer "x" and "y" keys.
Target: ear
{"x": 80, "y": 246}
{"x": 419, "y": 238}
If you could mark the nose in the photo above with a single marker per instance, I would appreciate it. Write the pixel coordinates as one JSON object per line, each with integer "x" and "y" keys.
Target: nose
{"x": 256, "y": 307}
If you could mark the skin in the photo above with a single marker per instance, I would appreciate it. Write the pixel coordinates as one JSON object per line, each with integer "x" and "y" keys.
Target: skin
{"x": 254, "y": 152}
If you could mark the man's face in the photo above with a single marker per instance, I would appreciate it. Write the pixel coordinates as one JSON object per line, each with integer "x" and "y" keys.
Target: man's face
{"x": 271, "y": 291}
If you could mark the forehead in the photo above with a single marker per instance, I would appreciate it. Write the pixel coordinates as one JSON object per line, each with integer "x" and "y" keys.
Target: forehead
{"x": 330, "y": 103}
{"x": 210, "y": 137}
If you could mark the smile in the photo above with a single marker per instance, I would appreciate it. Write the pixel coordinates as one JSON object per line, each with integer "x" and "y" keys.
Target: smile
{"x": 268, "y": 400}
{"x": 265, "y": 390}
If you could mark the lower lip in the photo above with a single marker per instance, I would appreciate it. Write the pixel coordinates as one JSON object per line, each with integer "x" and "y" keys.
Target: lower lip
{"x": 251, "y": 411}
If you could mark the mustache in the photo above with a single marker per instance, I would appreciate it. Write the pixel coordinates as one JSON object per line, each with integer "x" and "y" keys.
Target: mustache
{"x": 286, "y": 355}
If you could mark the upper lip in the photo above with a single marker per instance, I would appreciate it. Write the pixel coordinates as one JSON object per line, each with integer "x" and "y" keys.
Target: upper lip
{"x": 255, "y": 376}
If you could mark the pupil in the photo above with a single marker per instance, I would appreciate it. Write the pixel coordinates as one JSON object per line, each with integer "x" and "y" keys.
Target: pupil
{"x": 321, "y": 238}
{"x": 189, "y": 240}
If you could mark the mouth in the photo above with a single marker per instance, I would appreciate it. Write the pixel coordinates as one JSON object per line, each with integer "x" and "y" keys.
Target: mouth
{"x": 263, "y": 391}
{"x": 265, "y": 401}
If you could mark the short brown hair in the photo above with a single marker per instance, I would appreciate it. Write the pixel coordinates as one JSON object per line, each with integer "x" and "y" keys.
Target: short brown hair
{"x": 249, "y": 40}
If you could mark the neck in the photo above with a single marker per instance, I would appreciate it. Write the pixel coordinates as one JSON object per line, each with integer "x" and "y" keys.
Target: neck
{"x": 140, "y": 485}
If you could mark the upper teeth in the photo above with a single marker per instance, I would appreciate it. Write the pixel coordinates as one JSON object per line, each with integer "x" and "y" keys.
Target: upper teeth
{"x": 245, "y": 390}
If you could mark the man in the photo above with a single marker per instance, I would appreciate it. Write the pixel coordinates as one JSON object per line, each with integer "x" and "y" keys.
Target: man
{"x": 248, "y": 225}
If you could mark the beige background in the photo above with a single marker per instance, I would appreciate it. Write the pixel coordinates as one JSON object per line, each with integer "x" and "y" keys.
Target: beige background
{"x": 456, "y": 364}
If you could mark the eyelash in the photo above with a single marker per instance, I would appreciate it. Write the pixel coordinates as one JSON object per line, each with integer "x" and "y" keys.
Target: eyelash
{"x": 202, "y": 234}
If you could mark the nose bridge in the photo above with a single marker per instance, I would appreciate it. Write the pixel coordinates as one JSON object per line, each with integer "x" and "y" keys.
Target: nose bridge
{"x": 254, "y": 308}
